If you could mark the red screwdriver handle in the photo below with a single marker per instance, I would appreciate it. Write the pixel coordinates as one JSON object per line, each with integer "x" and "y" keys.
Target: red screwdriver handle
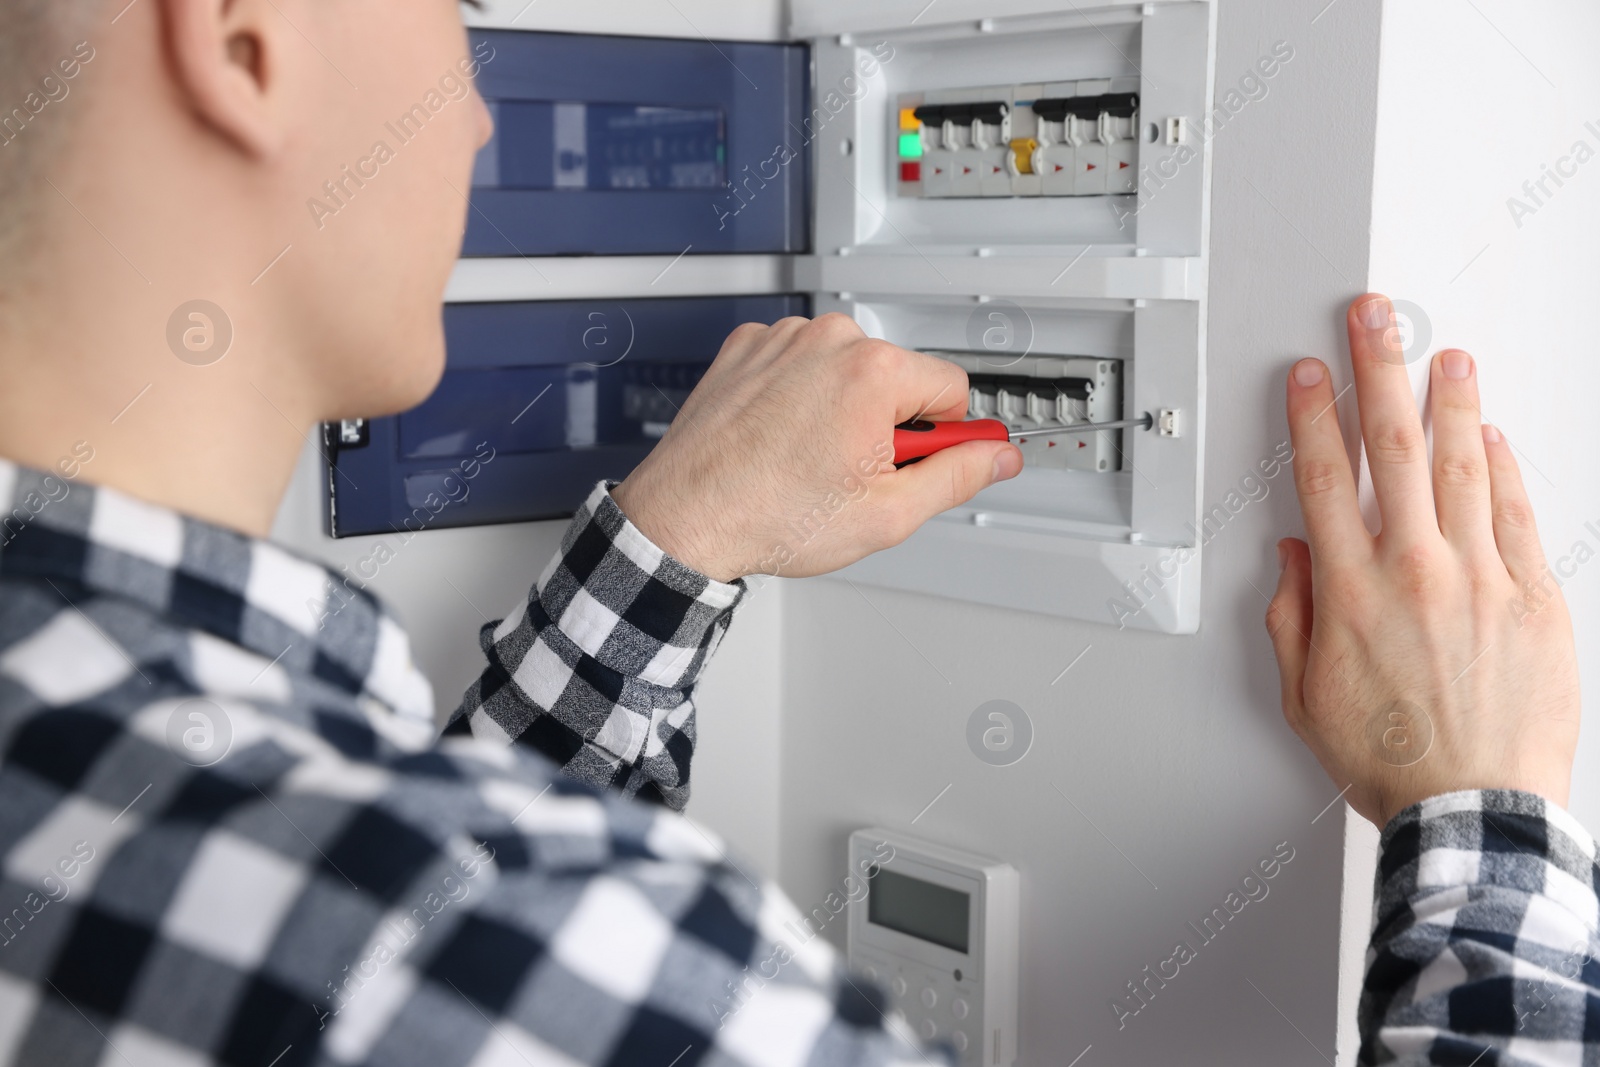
{"x": 920, "y": 438}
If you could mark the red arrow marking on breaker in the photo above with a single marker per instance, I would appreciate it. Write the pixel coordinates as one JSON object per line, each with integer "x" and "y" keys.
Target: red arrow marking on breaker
{"x": 1060, "y": 168}
{"x": 966, "y": 170}
{"x": 1122, "y": 166}
{"x": 1090, "y": 166}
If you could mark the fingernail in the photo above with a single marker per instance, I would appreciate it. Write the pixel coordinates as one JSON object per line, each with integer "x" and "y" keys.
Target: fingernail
{"x": 1007, "y": 465}
{"x": 1283, "y": 557}
{"x": 1491, "y": 435}
{"x": 1308, "y": 372}
{"x": 1376, "y": 314}
{"x": 1457, "y": 365}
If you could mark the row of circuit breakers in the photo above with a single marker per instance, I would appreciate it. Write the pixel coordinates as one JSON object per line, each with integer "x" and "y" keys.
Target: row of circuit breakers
{"x": 1062, "y": 139}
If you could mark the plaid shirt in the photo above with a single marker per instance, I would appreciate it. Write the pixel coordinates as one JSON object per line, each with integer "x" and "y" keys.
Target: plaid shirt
{"x": 1484, "y": 945}
{"x": 228, "y": 835}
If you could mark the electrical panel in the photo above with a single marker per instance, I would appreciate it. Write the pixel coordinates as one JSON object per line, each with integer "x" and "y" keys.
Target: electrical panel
{"x": 1016, "y": 187}
{"x": 631, "y": 146}
{"x": 539, "y": 400}
{"x": 1026, "y": 193}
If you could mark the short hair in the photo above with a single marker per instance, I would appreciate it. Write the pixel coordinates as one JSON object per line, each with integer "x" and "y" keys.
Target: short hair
{"x": 36, "y": 38}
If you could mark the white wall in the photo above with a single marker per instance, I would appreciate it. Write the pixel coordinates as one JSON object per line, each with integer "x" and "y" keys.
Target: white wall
{"x": 1177, "y": 769}
{"x": 1474, "y": 101}
{"x": 1472, "y": 107}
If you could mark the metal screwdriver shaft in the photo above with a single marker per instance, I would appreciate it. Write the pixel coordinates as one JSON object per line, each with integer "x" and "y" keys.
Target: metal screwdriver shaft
{"x": 1144, "y": 422}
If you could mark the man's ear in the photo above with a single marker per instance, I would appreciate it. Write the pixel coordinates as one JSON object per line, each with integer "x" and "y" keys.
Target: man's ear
{"x": 225, "y": 56}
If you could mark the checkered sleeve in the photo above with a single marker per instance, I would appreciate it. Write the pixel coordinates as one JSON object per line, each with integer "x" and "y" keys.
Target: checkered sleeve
{"x": 1484, "y": 947}
{"x": 596, "y": 668}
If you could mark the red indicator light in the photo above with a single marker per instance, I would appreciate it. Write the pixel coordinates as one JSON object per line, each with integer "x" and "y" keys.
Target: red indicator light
{"x": 911, "y": 172}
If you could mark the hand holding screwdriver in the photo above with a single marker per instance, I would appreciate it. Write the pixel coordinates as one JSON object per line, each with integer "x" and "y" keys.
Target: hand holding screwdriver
{"x": 921, "y": 438}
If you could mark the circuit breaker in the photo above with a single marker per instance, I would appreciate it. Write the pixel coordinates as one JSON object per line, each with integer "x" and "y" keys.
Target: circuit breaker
{"x": 927, "y": 173}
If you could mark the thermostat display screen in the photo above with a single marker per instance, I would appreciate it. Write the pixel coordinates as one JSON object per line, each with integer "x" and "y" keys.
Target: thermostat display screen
{"x": 919, "y": 909}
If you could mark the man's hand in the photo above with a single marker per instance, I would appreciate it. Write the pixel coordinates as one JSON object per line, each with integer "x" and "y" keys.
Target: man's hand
{"x": 1438, "y": 655}
{"x": 782, "y": 460}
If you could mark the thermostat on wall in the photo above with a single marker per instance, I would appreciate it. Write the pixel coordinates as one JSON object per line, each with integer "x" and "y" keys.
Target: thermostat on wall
{"x": 939, "y": 928}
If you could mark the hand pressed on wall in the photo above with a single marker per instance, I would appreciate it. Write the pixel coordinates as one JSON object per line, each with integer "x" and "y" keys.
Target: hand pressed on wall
{"x": 781, "y": 461}
{"x": 1438, "y": 655}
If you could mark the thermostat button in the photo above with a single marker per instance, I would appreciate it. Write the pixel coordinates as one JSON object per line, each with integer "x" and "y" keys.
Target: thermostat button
{"x": 959, "y": 1040}
{"x": 899, "y": 986}
{"x": 929, "y": 1030}
{"x": 960, "y": 1008}
{"x": 929, "y": 998}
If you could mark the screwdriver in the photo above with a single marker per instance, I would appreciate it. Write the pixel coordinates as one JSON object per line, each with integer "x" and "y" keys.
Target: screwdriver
{"x": 921, "y": 438}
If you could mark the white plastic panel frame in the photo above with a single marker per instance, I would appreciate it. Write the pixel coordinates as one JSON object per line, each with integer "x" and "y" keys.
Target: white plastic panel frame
{"x": 1120, "y": 548}
{"x": 859, "y": 214}
{"x": 1114, "y": 276}
{"x": 816, "y": 18}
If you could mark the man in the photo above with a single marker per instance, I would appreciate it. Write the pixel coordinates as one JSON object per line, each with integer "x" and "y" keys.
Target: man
{"x": 227, "y": 835}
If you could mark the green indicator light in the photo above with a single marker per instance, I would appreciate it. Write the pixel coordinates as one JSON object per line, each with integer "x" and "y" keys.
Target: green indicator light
{"x": 911, "y": 145}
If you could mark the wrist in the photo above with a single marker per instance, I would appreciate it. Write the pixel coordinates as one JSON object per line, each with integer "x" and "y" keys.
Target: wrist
{"x": 638, "y": 506}
{"x": 1552, "y": 789}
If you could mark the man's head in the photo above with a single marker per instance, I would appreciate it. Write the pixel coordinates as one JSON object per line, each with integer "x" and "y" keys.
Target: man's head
{"x": 300, "y": 165}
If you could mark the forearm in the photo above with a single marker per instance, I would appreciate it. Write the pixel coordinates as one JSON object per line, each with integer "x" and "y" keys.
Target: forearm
{"x": 596, "y": 669}
{"x": 1484, "y": 936}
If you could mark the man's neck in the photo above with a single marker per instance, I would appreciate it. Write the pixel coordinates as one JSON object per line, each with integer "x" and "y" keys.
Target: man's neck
{"x": 92, "y": 356}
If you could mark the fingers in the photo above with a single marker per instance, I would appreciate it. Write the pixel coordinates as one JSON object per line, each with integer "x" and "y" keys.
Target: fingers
{"x": 927, "y": 387}
{"x": 1460, "y": 467}
{"x": 1322, "y": 474}
{"x": 1515, "y": 532}
{"x": 944, "y": 480}
{"x": 1289, "y": 625}
{"x": 1397, "y": 451}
